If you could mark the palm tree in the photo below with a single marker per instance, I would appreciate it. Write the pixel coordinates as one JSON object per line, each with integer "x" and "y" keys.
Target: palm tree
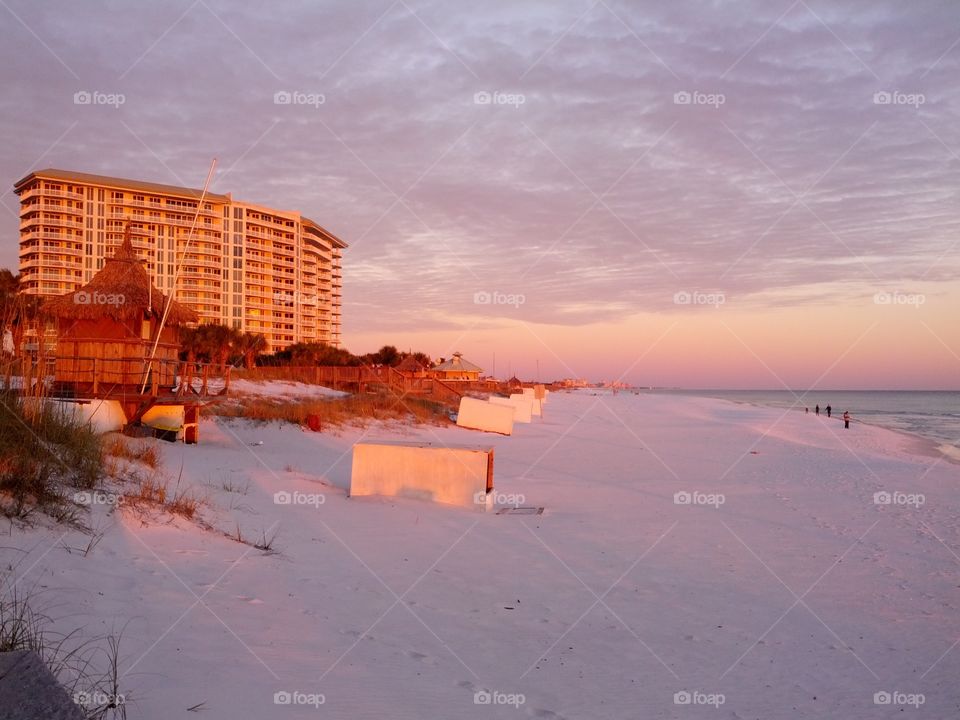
{"x": 191, "y": 344}
{"x": 218, "y": 342}
{"x": 250, "y": 345}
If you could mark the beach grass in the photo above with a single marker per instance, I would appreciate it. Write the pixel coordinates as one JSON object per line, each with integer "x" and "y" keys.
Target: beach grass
{"x": 43, "y": 450}
{"x": 348, "y": 410}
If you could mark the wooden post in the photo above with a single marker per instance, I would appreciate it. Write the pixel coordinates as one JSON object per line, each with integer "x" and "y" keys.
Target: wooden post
{"x": 191, "y": 424}
{"x": 96, "y": 377}
{"x": 155, "y": 372}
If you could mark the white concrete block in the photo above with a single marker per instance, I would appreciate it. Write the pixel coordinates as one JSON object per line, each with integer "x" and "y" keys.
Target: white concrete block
{"x": 535, "y": 406}
{"x": 480, "y": 415}
{"x": 522, "y": 408}
{"x": 455, "y": 475}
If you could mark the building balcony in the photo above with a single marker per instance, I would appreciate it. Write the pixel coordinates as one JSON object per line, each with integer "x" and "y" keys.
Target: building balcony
{"x": 194, "y": 262}
{"x": 253, "y": 303}
{"x": 194, "y": 298}
{"x": 43, "y": 262}
{"x": 50, "y": 207}
{"x": 53, "y": 221}
{"x": 49, "y": 235}
{"x": 44, "y": 192}
{"x": 255, "y": 232}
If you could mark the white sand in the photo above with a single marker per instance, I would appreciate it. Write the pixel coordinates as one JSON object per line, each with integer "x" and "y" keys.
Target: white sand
{"x": 798, "y": 596}
{"x": 281, "y": 389}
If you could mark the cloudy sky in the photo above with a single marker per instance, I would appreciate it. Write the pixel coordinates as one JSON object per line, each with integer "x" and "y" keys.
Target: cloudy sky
{"x": 738, "y": 194}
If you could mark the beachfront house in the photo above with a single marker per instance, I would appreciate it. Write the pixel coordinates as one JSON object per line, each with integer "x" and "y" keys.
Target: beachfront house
{"x": 456, "y": 368}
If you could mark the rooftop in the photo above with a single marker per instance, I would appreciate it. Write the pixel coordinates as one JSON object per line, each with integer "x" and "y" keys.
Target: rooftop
{"x": 90, "y": 179}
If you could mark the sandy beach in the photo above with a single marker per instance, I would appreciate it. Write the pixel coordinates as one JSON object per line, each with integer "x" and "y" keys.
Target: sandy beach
{"x": 694, "y": 557}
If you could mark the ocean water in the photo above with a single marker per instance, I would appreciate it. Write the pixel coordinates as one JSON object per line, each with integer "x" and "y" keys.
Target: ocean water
{"x": 931, "y": 414}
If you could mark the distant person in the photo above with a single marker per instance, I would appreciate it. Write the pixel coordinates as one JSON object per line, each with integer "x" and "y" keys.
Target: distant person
{"x": 806, "y": 411}
{"x": 846, "y": 419}
{"x": 817, "y": 409}
{"x": 828, "y": 411}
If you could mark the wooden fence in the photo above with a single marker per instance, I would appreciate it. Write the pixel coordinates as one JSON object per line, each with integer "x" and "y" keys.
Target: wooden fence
{"x": 363, "y": 377}
{"x": 72, "y": 376}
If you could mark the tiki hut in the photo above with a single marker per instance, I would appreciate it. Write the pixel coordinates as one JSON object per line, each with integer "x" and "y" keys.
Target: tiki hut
{"x": 107, "y": 329}
{"x": 411, "y": 367}
{"x": 456, "y": 368}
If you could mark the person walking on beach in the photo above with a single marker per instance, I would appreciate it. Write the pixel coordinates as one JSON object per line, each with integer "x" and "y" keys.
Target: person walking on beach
{"x": 817, "y": 409}
{"x": 846, "y": 419}
{"x": 828, "y": 411}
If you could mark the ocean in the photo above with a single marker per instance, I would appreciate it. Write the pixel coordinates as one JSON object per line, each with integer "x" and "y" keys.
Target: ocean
{"x": 931, "y": 414}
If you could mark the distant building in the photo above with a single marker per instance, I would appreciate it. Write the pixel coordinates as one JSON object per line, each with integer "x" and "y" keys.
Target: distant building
{"x": 411, "y": 367}
{"x": 259, "y": 269}
{"x": 456, "y": 368}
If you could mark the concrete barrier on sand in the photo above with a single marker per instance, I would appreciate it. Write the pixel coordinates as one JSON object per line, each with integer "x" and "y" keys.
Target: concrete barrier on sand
{"x": 522, "y": 407}
{"x": 535, "y": 408}
{"x": 480, "y": 415}
{"x": 455, "y": 475}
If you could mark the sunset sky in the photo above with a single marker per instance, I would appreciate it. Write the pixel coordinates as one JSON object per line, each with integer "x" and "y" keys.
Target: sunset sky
{"x": 700, "y": 194}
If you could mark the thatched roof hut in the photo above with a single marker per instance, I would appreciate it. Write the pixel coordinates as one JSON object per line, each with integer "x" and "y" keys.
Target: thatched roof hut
{"x": 122, "y": 290}
{"x": 109, "y": 336}
{"x": 411, "y": 367}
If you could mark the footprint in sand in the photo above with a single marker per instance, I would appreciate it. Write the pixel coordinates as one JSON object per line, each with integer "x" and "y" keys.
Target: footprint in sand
{"x": 248, "y": 599}
{"x": 419, "y": 657}
{"x": 192, "y": 552}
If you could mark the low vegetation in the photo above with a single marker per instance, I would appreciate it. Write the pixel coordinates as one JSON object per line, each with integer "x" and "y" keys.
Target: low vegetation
{"x": 86, "y": 667}
{"x": 143, "y": 452}
{"x": 349, "y": 410}
{"x": 43, "y": 452}
{"x": 223, "y": 345}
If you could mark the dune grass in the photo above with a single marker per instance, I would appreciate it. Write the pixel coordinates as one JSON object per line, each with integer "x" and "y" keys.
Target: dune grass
{"x": 42, "y": 451}
{"x": 348, "y": 410}
{"x": 118, "y": 446}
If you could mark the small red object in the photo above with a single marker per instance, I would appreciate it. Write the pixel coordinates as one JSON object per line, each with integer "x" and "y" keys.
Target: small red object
{"x": 313, "y": 422}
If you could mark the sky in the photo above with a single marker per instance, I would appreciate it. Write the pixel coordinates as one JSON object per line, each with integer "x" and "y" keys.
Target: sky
{"x": 752, "y": 194}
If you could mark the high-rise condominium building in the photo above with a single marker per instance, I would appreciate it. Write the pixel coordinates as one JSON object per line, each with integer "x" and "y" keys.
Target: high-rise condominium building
{"x": 256, "y": 268}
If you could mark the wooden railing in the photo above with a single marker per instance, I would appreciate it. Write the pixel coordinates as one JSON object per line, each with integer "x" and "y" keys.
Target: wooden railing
{"x": 106, "y": 377}
{"x": 359, "y": 378}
